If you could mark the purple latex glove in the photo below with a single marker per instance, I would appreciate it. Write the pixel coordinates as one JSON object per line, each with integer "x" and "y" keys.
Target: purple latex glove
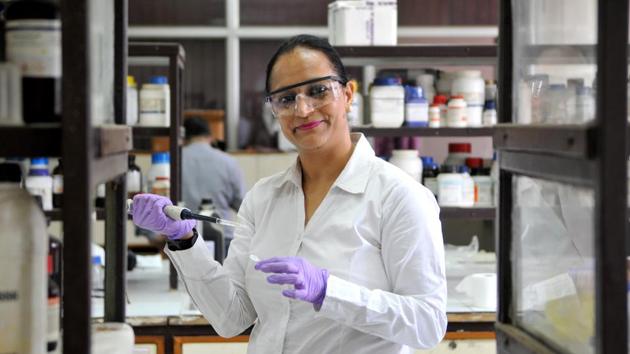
{"x": 148, "y": 213}
{"x": 309, "y": 282}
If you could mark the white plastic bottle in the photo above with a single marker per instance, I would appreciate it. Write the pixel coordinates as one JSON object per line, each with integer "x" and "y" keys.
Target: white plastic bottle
{"x": 155, "y": 103}
{"x": 408, "y": 161}
{"x": 427, "y": 82}
{"x": 484, "y": 191}
{"x": 456, "y": 114}
{"x": 450, "y": 187}
{"x": 23, "y": 290}
{"x": 161, "y": 186}
{"x": 387, "y": 103}
{"x": 39, "y": 182}
{"x": 490, "y": 114}
{"x": 468, "y": 188}
{"x": 132, "y": 101}
{"x": 160, "y": 167}
{"x": 416, "y": 107}
{"x": 355, "y": 115}
{"x": 470, "y": 85}
{"x": 434, "y": 116}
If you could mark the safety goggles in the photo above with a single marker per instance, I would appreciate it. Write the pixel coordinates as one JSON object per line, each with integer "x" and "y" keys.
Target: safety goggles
{"x": 311, "y": 94}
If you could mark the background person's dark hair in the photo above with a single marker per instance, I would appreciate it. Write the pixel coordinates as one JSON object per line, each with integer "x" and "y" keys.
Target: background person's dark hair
{"x": 311, "y": 42}
{"x": 196, "y": 126}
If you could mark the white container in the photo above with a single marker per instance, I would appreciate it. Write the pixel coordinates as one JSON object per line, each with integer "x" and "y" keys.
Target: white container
{"x": 161, "y": 186}
{"x": 489, "y": 117}
{"x": 385, "y": 25}
{"x": 427, "y": 82}
{"x": 456, "y": 114}
{"x": 443, "y": 84}
{"x": 160, "y": 167}
{"x": 474, "y": 115}
{"x": 450, "y": 187}
{"x": 434, "y": 116}
{"x": 23, "y": 250}
{"x": 408, "y": 161}
{"x": 112, "y": 338}
{"x": 350, "y": 23}
{"x": 132, "y": 101}
{"x": 355, "y": 115}
{"x": 416, "y": 108}
{"x": 155, "y": 103}
{"x": 387, "y": 103}
{"x": 483, "y": 191}
{"x": 470, "y": 85}
{"x": 39, "y": 182}
{"x": 468, "y": 188}
{"x": 10, "y": 95}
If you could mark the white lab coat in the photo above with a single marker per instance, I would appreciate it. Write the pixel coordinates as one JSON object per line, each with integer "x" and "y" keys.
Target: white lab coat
{"x": 377, "y": 232}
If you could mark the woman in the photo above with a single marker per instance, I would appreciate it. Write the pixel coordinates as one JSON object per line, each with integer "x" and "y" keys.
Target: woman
{"x": 351, "y": 247}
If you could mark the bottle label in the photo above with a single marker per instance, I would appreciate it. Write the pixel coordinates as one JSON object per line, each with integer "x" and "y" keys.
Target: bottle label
{"x": 35, "y": 45}
{"x": 152, "y": 105}
{"x": 57, "y": 184}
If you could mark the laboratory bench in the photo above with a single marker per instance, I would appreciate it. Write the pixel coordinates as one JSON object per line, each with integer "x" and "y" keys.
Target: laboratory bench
{"x": 166, "y": 321}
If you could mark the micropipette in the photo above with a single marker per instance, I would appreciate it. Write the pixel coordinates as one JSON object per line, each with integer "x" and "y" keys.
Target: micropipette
{"x": 181, "y": 213}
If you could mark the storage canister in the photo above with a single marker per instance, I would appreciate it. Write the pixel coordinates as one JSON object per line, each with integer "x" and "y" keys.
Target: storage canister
{"x": 387, "y": 103}
{"x": 458, "y": 153}
{"x": 450, "y": 187}
{"x": 442, "y": 102}
{"x": 155, "y": 106}
{"x": 416, "y": 107}
{"x": 456, "y": 114}
{"x": 470, "y": 85}
{"x": 434, "y": 116}
{"x": 408, "y": 161}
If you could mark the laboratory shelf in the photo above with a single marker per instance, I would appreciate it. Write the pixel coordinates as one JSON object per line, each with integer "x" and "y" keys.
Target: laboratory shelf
{"x": 45, "y": 140}
{"x": 573, "y": 140}
{"x": 426, "y": 132}
{"x": 478, "y": 213}
{"x": 407, "y": 56}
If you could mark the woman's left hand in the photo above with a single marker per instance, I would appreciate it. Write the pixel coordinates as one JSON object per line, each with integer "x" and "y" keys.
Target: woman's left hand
{"x": 309, "y": 281}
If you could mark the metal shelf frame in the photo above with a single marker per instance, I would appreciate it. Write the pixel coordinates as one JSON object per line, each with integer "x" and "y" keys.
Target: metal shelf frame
{"x": 588, "y": 155}
{"x": 425, "y": 132}
{"x": 176, "y": 62}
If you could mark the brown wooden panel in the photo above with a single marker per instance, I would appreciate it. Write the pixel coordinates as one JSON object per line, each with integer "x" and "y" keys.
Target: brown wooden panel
{"x": 469, "y": 335}
{"x": 423, "y": 13}
{"x": 157, "y": 340}
{"x": 284, "y": 12}
{"x": 177, "y": 12}
{"x": 179, "y": 341}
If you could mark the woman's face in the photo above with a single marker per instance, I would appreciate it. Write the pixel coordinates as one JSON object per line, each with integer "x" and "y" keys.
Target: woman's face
{"x": 311, "y": 128}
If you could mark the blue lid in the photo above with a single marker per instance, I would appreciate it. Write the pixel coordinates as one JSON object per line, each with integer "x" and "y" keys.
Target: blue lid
{"x": 39, "y": 161}
{"x": 462, "y": 169}
{"x": 387, "y": 81}
{"x": 96, "y": 260}
{"x": 159, "y": 80}
{"x": 160, "y": 157}
{"x": 490, "y": 104}
{"x": 426, "y": 160}
{"x": 413, "y": 93}
{"x": 38, "y": 172}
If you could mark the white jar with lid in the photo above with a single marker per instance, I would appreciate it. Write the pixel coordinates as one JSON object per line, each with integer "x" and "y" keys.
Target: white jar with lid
{"x": 434, "y": 116}
{"x": 132, "y": 101}
{"x": 427, "y": 82}
{"x": 387, "y": 103}
{"x": 408, "y": 161}
{"x": 155, "y": 103}
{"x": 456, "y": 113}
{"x": 474, "y": 115}
{"x": 450, "y": 187}
{"x": 470, "y": 85}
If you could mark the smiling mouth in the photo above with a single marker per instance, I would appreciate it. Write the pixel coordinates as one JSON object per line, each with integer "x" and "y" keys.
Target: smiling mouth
{"x": 308, "y": 126}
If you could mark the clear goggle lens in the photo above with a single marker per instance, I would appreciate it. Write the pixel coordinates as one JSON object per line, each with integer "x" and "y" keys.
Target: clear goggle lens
{"x": 309, "y": 96}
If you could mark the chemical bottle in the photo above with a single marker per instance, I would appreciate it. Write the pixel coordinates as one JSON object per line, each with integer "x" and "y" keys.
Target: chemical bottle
{"x": 450, "y": 187}
{"x": 407, "y": 160}
{"x": 57, "y": 177}
{"x": 23, "y": 247}
{"x": 457, "y": 153}
{"x": 155, "y": 106}
{"x": 430, "y": 172}
{"x": 440, "y": 101}
{"x": 39, "y": 181}
{"x": 212, "y": 233}
{"x": 33, "y": 42}
{"x": 490, "y": 113}
{"x": 468, "y": 187}
{"x": 134, "y": 177}
{"x": 132, "y": 101}
{"x": 416, "y": 107}
{"x": 53, "y": 314}
{"x": 355, "y": 115}
{"x": 160, "y": 166}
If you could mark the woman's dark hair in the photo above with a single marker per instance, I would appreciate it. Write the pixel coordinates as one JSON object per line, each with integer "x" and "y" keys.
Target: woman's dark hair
{"x": 310, "y": 42}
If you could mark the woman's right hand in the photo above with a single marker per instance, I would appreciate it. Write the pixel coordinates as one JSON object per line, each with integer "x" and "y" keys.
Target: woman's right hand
{"x": 148, "y": 213}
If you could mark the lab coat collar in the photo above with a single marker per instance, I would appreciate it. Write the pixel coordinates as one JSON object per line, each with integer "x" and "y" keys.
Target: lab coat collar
{"x": 353, "y": 178}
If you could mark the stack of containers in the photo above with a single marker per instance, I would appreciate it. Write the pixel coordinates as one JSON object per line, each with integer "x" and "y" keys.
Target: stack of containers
{"x": 160, "y": 171}
{"x": 470, "y": 85}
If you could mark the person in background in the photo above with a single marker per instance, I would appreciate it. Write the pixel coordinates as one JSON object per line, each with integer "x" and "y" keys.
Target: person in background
{"x": 209, "y": 173}
{"x": 340, "y": 253}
